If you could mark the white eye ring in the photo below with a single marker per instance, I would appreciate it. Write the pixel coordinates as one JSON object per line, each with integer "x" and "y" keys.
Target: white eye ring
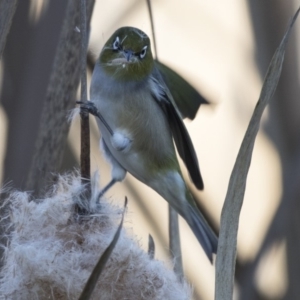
{"x": 116, "y": 44}
{"x": 143, "y": 52}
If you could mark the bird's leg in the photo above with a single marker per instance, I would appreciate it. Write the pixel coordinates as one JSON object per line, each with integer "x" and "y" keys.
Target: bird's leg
{"x": 90, "y": 107}
{"x": 118, "y": 172}
{"x": 105, "y": 189}
{"x": 119, "y": 140}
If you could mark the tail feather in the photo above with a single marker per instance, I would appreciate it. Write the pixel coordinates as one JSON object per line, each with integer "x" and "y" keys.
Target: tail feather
{"x": 172, "y": 187}
{"x": 202, "y": 231}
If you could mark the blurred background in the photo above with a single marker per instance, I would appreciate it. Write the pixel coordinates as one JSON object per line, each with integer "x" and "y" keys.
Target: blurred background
{"x": 223, "y": 49}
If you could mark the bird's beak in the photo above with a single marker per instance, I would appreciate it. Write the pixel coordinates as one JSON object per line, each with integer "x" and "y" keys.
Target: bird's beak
{"x": 128, "y": 54}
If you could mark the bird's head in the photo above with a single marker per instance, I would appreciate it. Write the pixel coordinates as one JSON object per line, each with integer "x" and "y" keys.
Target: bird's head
{"x": 127, "y": 55}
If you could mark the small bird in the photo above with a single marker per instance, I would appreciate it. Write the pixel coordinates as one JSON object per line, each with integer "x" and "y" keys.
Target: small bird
{"x": 143, "y": 122}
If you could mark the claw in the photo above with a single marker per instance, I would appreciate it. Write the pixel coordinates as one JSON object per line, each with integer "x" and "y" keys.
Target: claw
{"x": 90, "y": 107}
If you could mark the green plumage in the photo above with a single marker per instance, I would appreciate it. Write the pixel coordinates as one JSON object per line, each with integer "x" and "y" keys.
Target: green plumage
{"x": 187, "y": 99}
{"x": 143, "y": 103}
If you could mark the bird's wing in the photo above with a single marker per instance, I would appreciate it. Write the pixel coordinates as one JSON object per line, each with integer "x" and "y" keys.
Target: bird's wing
{"x": 183, "y": 142}
{"x": 186, "y": 97}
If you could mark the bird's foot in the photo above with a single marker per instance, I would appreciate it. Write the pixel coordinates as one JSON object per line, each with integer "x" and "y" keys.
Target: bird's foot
{"x": 90, "y": 107}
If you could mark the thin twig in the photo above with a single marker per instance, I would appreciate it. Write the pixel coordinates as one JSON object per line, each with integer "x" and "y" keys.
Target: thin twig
{"x": 85, "y": 129}
{"x": 152, "y": 27}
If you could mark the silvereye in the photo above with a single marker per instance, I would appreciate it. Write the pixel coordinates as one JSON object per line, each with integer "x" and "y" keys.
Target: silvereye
{"x": 129, "y": 90}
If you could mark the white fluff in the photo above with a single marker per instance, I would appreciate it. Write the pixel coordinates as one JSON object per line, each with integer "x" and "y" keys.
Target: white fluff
{"x": 73, "y": 113}
{"x": 120, "y": 141}
{"x": 51, "y": 253}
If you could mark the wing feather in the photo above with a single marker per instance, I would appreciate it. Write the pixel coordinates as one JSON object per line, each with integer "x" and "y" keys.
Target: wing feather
{"x": 181, "y": 137}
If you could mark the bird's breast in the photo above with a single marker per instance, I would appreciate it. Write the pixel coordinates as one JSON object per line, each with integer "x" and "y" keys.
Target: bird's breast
{"x": 131, "y": 110}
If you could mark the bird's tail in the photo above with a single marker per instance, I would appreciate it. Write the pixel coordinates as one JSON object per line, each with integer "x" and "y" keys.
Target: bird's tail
{"x": 205, "y": 235}
{"x": 172, "y": 187}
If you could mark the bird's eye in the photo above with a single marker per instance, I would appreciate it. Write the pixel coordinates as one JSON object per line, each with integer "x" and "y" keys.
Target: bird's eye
{"x": 116, "y": 44}
{"x": 143, "y": 52}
